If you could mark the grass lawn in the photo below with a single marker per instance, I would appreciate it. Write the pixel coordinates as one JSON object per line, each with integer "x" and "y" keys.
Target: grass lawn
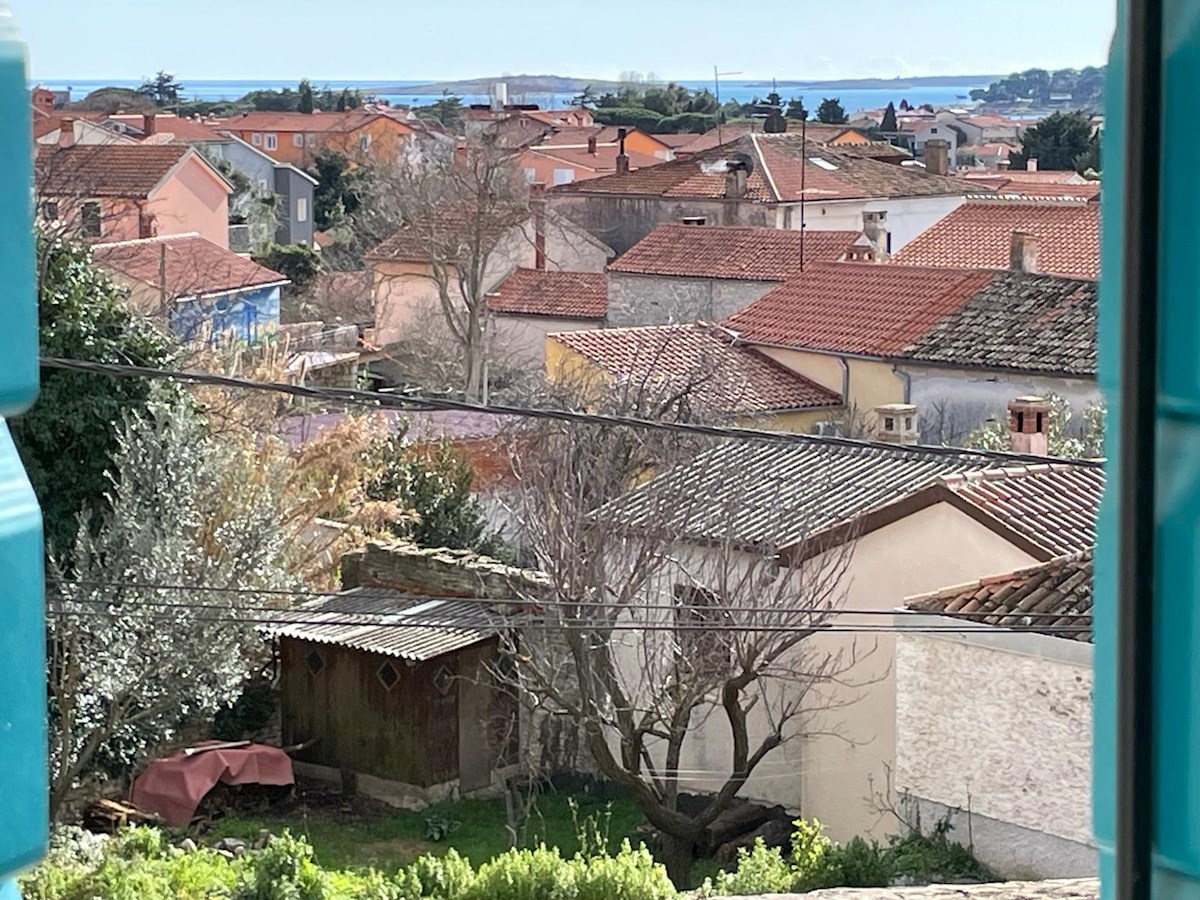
{"x": 389, "y": 838}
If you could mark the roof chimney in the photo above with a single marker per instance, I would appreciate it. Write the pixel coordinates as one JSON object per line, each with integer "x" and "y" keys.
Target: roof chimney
{"x": 622, "y": 159}
{"x": 592, "y": 145}
{"x": 896, "y": 423}
{"x": 1003, "y": 164}
{"x": 66, "y": 132}
{"x": 735, "y": 183}
{"x": 937, "y": 157}
{"x": 1027, "y": 421}
{"x": 1023, "y": 252}
{"x": 148, "y": 124}
{"x": 1031, "y": 164}
{"x": 875, "y": 230}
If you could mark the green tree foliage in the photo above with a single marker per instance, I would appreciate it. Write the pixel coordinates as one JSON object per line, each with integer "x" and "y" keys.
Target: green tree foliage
{"x": 162, "y": 89}
{"x": 68, "y": 439}
{"x": 434, "y": 481}
{"x": 1057, "y": 142}
{"x": 830, "y": 112}
{"x": 299, "y": 263}
{"x": 1086, "y": 87}
{"x": 304, "y": 103}
{"x": 1088, "y": 163}
{"x": 643, "y": 119}
{"x": 795, "y": 109}
{"x": 889, "y": 119}
{"x": 339, "y": 190}
{"x": 115, "y": 99}
{"x": 446, "y": 110}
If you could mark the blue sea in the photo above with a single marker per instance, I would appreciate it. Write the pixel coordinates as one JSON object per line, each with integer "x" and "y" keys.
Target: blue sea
{"x": 851, "y": 100}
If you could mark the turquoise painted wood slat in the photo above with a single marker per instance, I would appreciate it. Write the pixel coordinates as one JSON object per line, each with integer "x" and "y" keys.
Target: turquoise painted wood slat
{"x": 23, "y": 774}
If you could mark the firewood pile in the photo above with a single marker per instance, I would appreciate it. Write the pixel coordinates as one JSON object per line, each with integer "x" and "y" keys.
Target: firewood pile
{"x": 108, "y": 816}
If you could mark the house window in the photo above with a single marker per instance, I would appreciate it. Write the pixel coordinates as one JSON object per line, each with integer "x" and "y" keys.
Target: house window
{"x": 530, "y": 175}
{"x": 314, "y": 661}
{"x": 270, "y": 141}
{"x": 89, "y": 219}
{"x": 695, "y": 220}
{"x": 564, "y": 176}
{"x": 298, "y": 139}
{"x": 908, "y": 423}
{"x": 889, "y": 424}
{"x": 388, "y": 675}
{"x": 50, "y": 210}
{"x": 933, "y": 131}
{"x": 364, "y": 142}
{"x": 703, "y": 646}
{"x": 256, "y": 139}
{"x": 310, "y": 140}
{"x": 301, "y": 209}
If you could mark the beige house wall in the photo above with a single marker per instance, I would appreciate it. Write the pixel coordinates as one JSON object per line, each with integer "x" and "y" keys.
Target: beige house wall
{"x": 868, "y": 383}
{"x": 1000, "y": 725}
{"x": 839, "y": 755}
{"x": 192, "y": 200}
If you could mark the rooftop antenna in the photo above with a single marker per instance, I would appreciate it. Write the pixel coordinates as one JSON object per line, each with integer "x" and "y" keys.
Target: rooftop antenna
{"x": 803, "y": 169}
{"x": 717, "y": 87}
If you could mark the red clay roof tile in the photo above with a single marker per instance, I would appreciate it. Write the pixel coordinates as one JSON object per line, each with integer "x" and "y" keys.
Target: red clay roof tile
{"x": 548, "y": 292}
{"x": 978, "y": 235}
{"x": 106, "y": 170}
{"x": 730, "y": 377}
{"x": 864, "y": 308}
{"x": 713, "y": 251}
{"x": 194, "y": 266}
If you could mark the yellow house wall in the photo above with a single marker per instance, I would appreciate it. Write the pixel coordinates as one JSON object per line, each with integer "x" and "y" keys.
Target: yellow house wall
{"x": 871, "y": 383}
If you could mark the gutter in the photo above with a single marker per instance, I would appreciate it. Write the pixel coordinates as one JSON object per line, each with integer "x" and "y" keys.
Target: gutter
{"x": 906, "y": 378}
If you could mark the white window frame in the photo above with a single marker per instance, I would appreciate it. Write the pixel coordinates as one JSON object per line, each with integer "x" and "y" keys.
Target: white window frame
{"x": 530, "y": 175}
{"x": 364, "y": 141}
{"x": 310, "y": 139}
{"x": 83, "y": 219}
{"x": 564, "y": 176}
{"x": 298, "y": 139}
{"x": 270, "y": 142}
{"x": 256, "y": 139}
{"x": 694, "y": 220}
{"x": 50, "y": 210}
{"x": 301, "y": 209}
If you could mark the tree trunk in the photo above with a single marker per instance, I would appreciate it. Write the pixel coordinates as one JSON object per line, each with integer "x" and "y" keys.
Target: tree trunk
{"x": 676, "y": 854}
{"x": 473, "y": 360}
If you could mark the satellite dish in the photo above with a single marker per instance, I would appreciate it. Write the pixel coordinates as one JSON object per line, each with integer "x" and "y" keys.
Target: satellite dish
{"x": 743, "y": 161}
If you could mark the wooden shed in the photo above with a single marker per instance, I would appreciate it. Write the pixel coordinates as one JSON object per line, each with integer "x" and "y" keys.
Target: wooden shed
{"x": 394, "y": 681}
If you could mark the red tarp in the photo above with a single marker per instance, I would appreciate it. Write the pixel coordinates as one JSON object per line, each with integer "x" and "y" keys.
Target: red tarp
{"x": 173, "y": 787}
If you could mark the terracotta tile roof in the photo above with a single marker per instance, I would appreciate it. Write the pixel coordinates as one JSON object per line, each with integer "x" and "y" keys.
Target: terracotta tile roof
{"x": 677, "y": 141}
{"x": 577, "y": 135}
{"x": 445, "y": 229}
{"x": 106, "y": 170}
{"x": 985, "y": 121}
{"x": 604, "y": 160}
{"x": 1089, "y": 191}
{"x": 1052, "y": 595}
{"x": 194, "y": 266}
{"x": 328, "y": 122}
{"x": 1042, "y": 324}
{"x": 756, "y": 493}
{"x": 979, "y": 233}
{"x": 727, "y": 377}
{"x": 1041, "y": 176}
{"x": 864, "y": 308}
{"x": 180, "y": 128}
{"x": 776, "y": 177}
{"x": 714, "y": 251}
{"x": 1053, "y": 505}
{"x": 548, "y": 292}
{"x": 696, "y": 143}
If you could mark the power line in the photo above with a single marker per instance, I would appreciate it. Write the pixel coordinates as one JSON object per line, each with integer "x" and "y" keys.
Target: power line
{"x": 437, "y": 404}
{"x": 513, "y": 601}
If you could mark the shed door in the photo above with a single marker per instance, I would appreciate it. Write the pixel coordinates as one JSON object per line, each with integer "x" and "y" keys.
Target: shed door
{"x": 475, "y": 748}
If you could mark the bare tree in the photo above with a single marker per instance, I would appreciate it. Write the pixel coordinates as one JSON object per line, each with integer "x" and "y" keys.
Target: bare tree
{"x": 456, "y": 214}
{"x": 668, "y": 619}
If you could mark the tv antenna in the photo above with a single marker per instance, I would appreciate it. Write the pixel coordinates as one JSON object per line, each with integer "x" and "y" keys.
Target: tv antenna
{"x": 717, "y": 88}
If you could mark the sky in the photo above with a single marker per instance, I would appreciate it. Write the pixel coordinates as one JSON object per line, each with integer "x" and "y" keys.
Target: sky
{"x": 448, "y": 39}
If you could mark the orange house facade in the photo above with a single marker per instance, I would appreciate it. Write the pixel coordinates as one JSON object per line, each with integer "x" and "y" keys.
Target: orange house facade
{"x": 297, "y": 138}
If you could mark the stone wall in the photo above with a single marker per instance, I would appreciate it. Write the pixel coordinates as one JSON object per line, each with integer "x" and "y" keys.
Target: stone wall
{"x": 1000, "y": 725}
{"x": 1067, "y": 889}
{"x": 664, "y": 299}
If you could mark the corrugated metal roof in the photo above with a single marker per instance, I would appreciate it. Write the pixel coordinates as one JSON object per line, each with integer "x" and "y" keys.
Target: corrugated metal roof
{"x": 377, "y": 620}
{"x": 777, "y": 494}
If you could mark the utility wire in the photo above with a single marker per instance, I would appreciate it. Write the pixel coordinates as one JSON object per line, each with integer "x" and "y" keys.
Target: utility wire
{"x": 511, "y": 601}
{"x": 437, "y": 404}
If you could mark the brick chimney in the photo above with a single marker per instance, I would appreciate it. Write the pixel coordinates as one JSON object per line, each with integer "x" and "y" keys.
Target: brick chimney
{"x": 937, "y": 157}
{"x": 592, "y": 145}
{"x": 1023, "y": 252}
{"x": 66, "y": 132}
{"x": 876, "y": 231}
{"x": 1031, "y": 164}
{"x": 735, "y": 183}
{"x": 896, "y": 423}
{"x": 1027, "y": 421}
{"x": 149, "y": 126}
{"x": 622, "y": 159}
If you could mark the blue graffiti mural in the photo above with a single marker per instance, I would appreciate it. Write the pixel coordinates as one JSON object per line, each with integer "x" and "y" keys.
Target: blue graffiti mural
{"x": 251, "y": 316}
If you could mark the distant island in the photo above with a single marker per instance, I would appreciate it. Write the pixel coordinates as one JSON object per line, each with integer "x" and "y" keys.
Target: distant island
{"x": 558, "y": 84}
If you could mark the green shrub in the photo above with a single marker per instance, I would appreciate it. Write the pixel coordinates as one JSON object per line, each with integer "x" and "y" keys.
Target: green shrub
{"x": 860, "y": 863}
{"x": 629, "y": 875}
{"x": 284, "y": 870}
{"x": 248, "y": 714}
{"x": 139, "y": 841}
{"x": 440, "y": 877}
{"x": 538, "y": 874}
{"x": 760, "y": 870}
